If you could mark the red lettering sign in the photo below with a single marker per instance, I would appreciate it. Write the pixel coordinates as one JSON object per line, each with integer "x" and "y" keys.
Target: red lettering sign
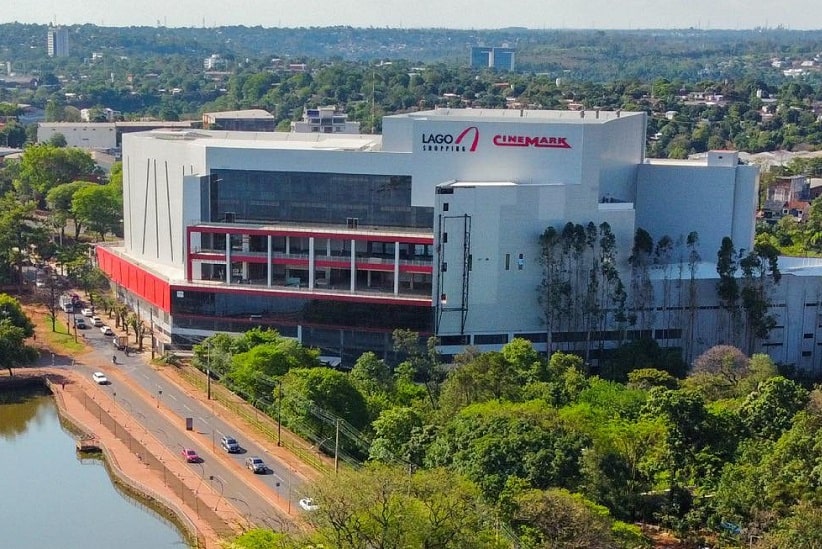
{"x": 539, "y": 142}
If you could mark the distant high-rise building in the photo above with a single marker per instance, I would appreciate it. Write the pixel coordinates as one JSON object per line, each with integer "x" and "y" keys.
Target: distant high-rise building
{"x": 58, "y": 42}
{"x": 481, "y": 57}
{"x": 500, "y": 58}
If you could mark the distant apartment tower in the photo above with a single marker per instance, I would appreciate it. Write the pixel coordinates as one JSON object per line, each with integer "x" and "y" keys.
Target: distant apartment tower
{"x": 325, "y": 120}
{"x": 58, "y": 42}
{"x": 499, "y": 58}
{"x": 214, "y": 62}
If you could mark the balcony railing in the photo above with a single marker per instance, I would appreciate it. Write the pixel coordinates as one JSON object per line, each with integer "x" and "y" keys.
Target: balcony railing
{"x": 346, "y": 256}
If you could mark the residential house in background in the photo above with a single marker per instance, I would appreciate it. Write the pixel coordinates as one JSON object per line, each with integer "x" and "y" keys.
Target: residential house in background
{"x": 325, "y": 120}
{"x": 250, "y": 120}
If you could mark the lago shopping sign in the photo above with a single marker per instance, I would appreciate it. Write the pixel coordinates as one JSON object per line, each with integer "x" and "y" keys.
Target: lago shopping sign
{"x": 467, "y": 140}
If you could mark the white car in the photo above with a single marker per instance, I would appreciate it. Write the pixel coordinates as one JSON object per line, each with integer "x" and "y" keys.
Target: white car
{"x": 107, "y": 331}
{"x": 99, "y": 378}
{"x": 96, "y": 321}
{"x": 307, "y": 504}
{"x": 88, "y": 312}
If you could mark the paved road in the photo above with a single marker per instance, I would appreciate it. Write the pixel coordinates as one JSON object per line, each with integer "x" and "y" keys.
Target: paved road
{"x": 164, "y": 416}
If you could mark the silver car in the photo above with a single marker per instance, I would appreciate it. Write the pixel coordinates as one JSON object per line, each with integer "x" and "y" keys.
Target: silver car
{"x": 255, "y": 465}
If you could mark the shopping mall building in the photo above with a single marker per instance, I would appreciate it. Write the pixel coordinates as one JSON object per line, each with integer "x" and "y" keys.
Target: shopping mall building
{"x": 433, "y": 226}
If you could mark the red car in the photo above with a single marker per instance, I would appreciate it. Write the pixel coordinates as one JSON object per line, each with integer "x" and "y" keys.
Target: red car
{"x": 190, "y": 455}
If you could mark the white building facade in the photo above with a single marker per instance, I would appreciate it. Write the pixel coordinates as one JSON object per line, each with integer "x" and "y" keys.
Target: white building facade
{"x": 434, "y": 226}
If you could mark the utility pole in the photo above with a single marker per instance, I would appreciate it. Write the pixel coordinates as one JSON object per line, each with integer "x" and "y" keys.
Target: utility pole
{"x": 337, "y": 448}
{"x": 151, "y": 321}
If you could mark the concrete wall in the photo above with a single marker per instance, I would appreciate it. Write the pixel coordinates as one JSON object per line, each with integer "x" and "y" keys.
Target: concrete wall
{"x": 507, "y": 220}
{"x": 86, "y": 136}
{"x": 154, "y": 196}
{"x": 715, "y": 202}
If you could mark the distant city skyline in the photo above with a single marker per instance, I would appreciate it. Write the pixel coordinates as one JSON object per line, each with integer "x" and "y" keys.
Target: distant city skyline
{"x": 478, "y": 14}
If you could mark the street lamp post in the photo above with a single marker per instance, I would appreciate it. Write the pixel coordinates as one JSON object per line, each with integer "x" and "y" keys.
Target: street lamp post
{"x": 208, "y": 370}
{"x": 213, "y": 478}
{"x": 279, "y": 412}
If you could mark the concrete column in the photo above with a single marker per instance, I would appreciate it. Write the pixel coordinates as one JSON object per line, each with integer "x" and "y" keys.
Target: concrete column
{"x": 311, "y": 263}
{"x": 287, "y": 245}
{"x": 396, "y": 268}
{"x": 269, "y": 266}
{"x": 246, "y": 248}
{"x": 328, "y": 248}
{"x": 228, "y": 258}
{"x": 353, "y": 265}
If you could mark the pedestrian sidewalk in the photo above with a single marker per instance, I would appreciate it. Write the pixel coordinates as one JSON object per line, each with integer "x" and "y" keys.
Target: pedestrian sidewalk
{"x": 130, "y": 462}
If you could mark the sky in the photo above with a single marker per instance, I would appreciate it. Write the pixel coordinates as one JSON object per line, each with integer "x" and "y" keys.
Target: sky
{"x": 477, "y": 14}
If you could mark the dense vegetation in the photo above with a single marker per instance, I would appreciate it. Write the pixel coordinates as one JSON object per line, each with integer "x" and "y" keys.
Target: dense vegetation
{"x": 507, "y": 446}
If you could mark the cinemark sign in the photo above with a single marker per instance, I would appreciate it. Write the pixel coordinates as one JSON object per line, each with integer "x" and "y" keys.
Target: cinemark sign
{"x": 540, "y": 142}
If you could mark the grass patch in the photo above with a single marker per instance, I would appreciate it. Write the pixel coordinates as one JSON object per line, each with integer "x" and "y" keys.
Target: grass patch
{"x": 61, "y": 338}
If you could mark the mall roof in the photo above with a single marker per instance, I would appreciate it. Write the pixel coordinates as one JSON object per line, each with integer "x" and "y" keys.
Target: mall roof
{"x": 269, "y": 140}
{"x": 523, "y": 115}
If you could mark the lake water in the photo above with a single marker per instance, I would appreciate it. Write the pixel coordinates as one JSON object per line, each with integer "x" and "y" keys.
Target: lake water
{"x": 50, "y": 497}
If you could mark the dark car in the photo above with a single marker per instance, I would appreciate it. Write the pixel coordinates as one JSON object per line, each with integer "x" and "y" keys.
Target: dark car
{"x": 230, "y": 444}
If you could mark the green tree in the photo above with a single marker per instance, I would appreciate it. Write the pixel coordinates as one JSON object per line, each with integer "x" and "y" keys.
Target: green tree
{"x": 330, "y": 390}
{"x": 371, "y": 375}
{"x": 99, "y": 207}
{"x": 556, "y": 518}
{"x": 769, "y": 411}
{"x": 646, "y": 378}
{"x": 253, "y": 372}
{"x": 493, "y": 441}
{"x": 58, "y": 140}
{"x": 214, "y": 354}
{"x": 381, "y": 506}
{"x": 13, "y": 135}
{"x": 259, "y": 538}
{"x": 696, "y": 441}
{"x": 802, "y": 528}
{"x": 393, "y": 432}
{"x": 59, "y": 201}
{"x": 17, "y": 232}
{"x": 44, "y": 167}
{"x": 760, "y": 270}
{"x": 728, "y": 288}
{"x": 15, "y": 327}
{"x": 641, "y": 288}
